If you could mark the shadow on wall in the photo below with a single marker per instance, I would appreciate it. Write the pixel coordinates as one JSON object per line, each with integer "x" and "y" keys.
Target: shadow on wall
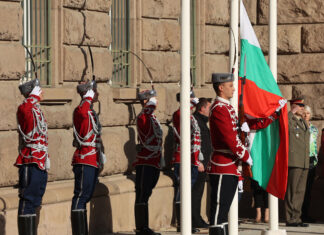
{"x": 130, "y": 149}
{"x": 2, "y": 223}
{"x": 130, "y": 145}
{"x": 100, "y": 220}
{"x": 169, "y": 146}
{"x": 3, "y": 217}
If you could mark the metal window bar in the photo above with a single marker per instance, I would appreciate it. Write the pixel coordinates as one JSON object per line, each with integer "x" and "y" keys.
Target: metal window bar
{"x": 37, "y": 39}
{"x": 120, "y": 43}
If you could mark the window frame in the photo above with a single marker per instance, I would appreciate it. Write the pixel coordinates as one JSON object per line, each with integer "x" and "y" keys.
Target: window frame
{"x": 121, "y": 43}
{"x": 37, "y": 27}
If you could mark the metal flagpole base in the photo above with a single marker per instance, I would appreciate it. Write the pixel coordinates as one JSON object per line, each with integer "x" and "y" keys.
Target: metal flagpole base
{"x": 274, "y": 232}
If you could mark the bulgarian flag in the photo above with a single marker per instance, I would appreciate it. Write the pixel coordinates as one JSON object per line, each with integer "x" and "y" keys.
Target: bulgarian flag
{"x": 269, "y": 146}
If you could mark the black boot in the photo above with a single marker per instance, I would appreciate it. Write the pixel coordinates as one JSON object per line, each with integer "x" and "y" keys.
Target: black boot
{"x": 142, "y": 220}
{"x": 79, "y": 222}
{"x": 219, "y": 230}
{"x": 225, "y": 226}
{"x": 27, "y": 225}
{"x": 177, "y": 211}
{"x": 141, "y": 217}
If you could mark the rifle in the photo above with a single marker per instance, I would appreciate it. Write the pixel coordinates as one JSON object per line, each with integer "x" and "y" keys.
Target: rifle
{"x": 246, "y": 169}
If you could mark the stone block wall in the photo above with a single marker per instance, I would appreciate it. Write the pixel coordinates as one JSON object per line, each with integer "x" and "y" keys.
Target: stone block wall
{"x": 155, "y": 35}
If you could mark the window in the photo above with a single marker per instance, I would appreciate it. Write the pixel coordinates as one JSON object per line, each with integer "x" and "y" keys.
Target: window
{"x": 36, "y": 38}
{"x": 120, "y": 42}
{"x": 193, "y": 42}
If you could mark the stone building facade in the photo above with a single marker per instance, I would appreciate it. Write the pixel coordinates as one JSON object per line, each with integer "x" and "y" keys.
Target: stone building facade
{"x": 154, "y": 35}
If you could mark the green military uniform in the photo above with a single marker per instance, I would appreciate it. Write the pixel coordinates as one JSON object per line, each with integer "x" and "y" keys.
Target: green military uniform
{"x": 298, "y": 165}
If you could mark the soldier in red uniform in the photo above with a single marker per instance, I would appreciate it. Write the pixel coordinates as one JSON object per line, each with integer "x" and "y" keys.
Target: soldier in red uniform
{"x": 88, "y": 158}
{"x": 196, "y": 154}
{"x": 147, "y": 163}
{"x": 228, "y": 151}
{"x": 33, "y": 160}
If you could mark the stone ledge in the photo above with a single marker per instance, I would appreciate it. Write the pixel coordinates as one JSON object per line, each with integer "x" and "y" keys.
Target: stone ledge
{"x": 120, "y": 94}
{"x": 62, "y": 191}
{"x": 57, "y": 96}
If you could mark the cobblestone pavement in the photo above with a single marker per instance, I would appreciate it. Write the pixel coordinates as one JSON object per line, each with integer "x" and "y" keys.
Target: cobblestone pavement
{"x": 249, "y": 228}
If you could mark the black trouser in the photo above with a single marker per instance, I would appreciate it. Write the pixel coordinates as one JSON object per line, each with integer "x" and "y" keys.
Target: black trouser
{"x": 260, "y": 195}
{"x": 307, "y": 199}
{"x": 197, "y": 193}
{"x": 223, "y": 188}
{"x": 146, "y": 179}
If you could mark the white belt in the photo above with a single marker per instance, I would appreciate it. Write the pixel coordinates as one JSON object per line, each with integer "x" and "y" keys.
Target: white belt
{"x": 226, "y": 151}
{"x": 219, "y": 164}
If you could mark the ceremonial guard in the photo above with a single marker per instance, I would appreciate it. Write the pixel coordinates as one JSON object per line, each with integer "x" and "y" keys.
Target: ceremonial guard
{"x": 228, "y": 150}
{"x": 147, "y": 163}
{"x": 33, "y": 160}
{"x": 196, "y": 154}
{"x": 88, "y": 158}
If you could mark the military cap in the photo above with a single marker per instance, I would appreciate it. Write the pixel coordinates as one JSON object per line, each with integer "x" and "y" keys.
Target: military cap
{"x": 147, "y": 94}
{"x": 222, "y": 77}
{"x": 192, "y": 95}
{"x": 27, "y": 87}
{"x": 299, "y": 100}
{"x": 86, "y": 86}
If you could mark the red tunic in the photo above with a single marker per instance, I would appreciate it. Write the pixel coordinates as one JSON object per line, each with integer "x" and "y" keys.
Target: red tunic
{"x": 150, "y": 137}
{"x": 228, "y": 148}
{"x": 195, "y": 138}
{"x": 33, "y": 133}
{"x": 261, "y": 123}
{"x": 87, "y": 130}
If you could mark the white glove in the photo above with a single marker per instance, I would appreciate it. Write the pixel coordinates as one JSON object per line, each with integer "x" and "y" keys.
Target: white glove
{"x": 195, "y": 100}
{"x": 200, "y": 156}
{"x": 90, "y": 93}
{"x": 240, "y": 186}
{"x": 152, "y": 101}
{"x": 245, "y": 127}
{"x": 282, "y": 104}
{"x": 47, "y": 163}
{"x": 102, "y": 159}
{"x": 250, "y": 161}
{"x": 36, "y": 91}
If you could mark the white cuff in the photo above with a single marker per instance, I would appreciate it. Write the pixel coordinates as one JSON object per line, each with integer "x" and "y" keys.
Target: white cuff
{"x": 152, "y": 101}
{"x": 250, "y": 161}
{"x": 90, "y": 93}
{"x": 47, "y": 163}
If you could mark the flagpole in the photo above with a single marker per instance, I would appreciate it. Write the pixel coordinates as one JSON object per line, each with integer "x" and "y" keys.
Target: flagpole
{"x": 233, "y": 213}
{"x": 185, "y": 166}
{"x": 273, "y": 201}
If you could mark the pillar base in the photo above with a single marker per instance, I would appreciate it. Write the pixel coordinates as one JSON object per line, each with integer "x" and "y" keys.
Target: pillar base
{"x": 274, "y": 232}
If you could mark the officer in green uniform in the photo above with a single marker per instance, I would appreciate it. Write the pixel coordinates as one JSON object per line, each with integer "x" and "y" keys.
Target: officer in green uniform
{"x": 298, "y": 163}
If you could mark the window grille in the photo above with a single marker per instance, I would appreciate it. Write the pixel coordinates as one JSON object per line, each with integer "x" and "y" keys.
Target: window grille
{"x": 120, "y": 43}
{"x": 36, "y": 37}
